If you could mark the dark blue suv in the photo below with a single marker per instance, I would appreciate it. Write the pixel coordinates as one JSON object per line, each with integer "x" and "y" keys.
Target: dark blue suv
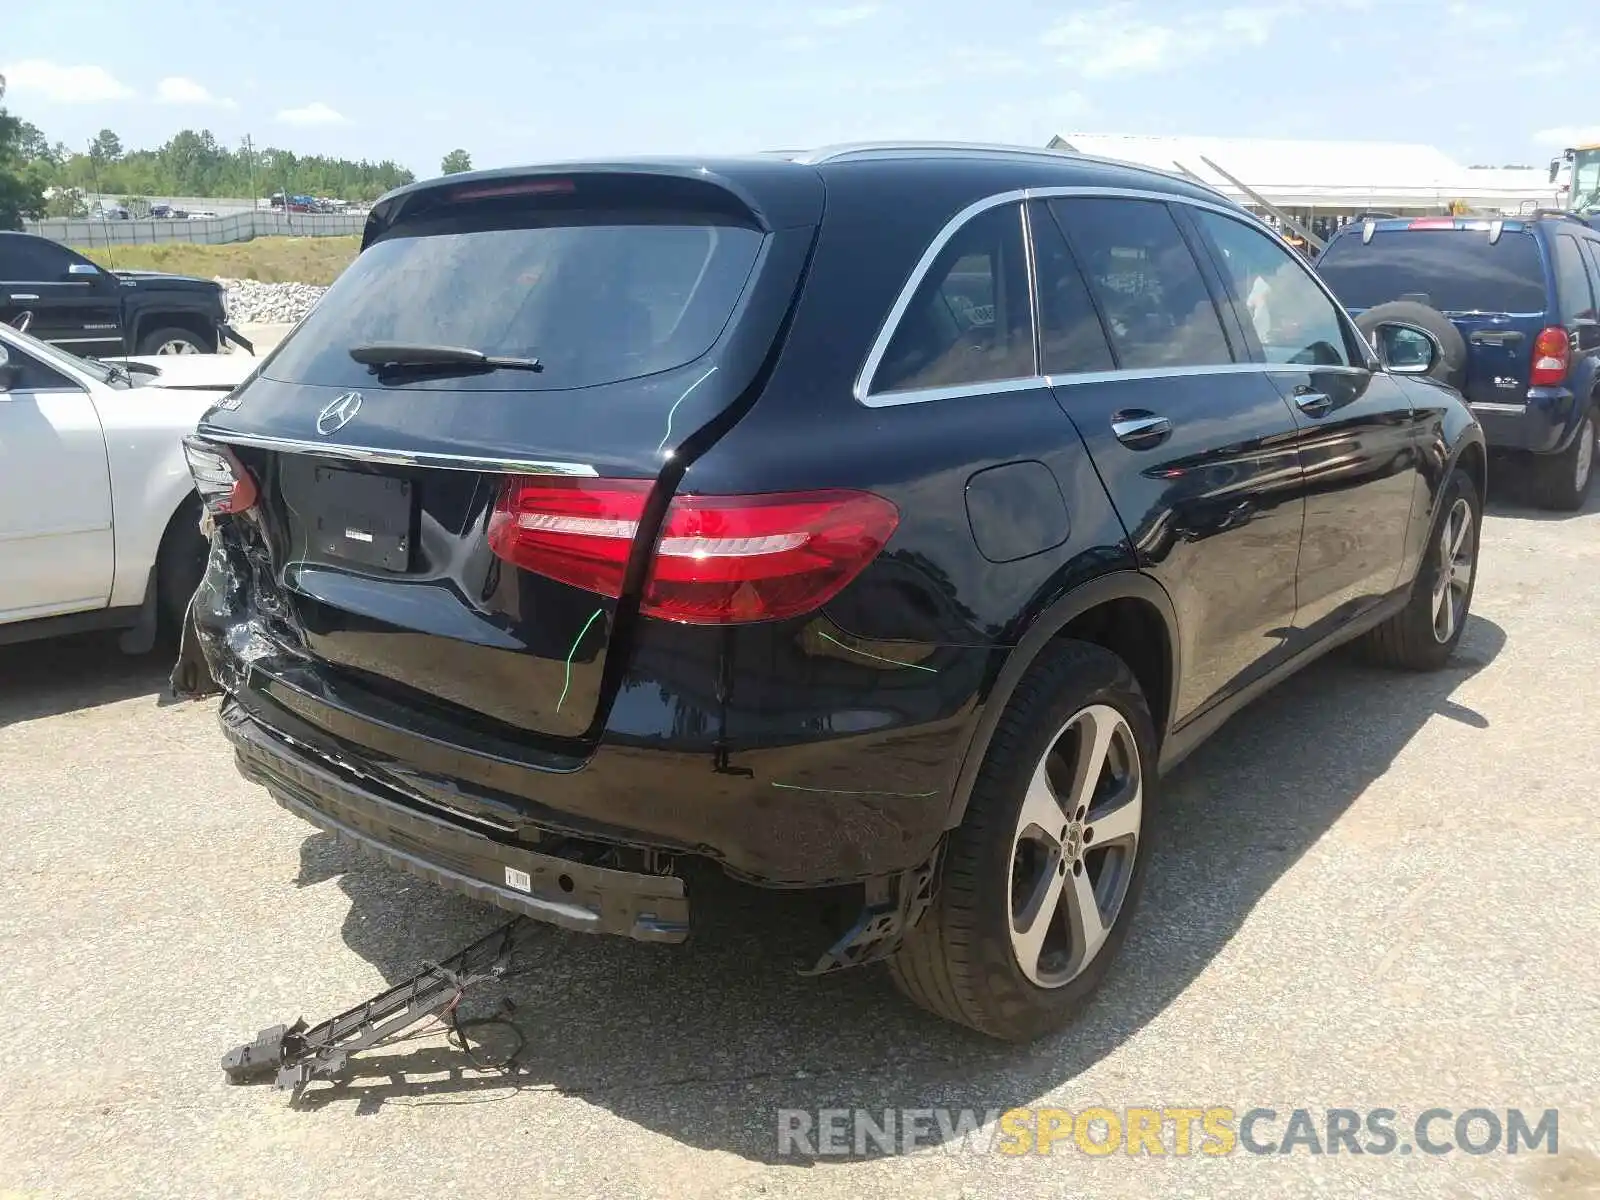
{"x": 1520, "y": 328}
{"x": 885, "y": 520}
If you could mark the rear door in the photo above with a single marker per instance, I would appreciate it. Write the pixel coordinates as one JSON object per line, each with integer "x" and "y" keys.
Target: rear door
{"x": 1493, "y": 288}
{"x": 459, "y": 539}
{"x": 1357, "y": 434}
{"x": 1196, "y": 447}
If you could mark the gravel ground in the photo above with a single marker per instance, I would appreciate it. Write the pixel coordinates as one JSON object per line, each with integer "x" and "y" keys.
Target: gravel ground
{"x": 1372, "y": 890}
{"x": 253, "y": 302}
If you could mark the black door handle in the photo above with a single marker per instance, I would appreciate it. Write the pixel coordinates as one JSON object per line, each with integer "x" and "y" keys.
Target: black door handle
{"x": 1140, "y": 430}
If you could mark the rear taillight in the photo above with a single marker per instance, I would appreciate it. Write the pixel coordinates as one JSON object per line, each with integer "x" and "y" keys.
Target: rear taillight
{"x": 724, "y": 559}
{"x": 224, "y": 484}
{"x": 719, "y": 560}
{"x": 1433, "y": 223}
{"x": 1552, "y": 356}
{"x": 579, "y": 531}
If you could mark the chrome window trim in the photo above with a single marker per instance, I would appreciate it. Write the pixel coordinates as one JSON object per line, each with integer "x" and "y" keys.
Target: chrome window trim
{"x": 1020, "y": 196}
{"x": 921, "y": 395}
{"x": 44, "y": 391}
{"x": 398, "y": 458}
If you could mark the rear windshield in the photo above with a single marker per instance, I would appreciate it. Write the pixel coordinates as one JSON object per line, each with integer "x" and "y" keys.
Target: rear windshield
{"x": 1460, "y": 271}
{"x": 594, "y": 303}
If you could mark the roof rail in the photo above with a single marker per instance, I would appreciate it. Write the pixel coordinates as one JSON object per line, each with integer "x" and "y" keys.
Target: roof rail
{"x": 865, "y": 150}
{"x": 1541, "y": 213}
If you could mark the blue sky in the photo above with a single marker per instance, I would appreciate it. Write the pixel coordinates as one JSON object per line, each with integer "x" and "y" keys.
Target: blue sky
{"x": 527, "y": 80}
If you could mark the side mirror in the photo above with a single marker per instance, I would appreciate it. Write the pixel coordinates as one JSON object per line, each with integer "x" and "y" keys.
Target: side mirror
{"x": 1406, "y": 349}
{"x": 22, "y": 320}
{"x": 79, "y": 269}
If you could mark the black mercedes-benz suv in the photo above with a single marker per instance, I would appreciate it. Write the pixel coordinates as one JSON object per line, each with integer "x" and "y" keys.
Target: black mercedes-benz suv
{"x": 883, "y": 520}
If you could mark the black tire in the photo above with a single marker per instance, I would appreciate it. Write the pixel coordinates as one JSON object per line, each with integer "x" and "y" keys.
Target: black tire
{"x": 180, "y": 565}
{"x": 1562, "y": 482}
{"x": 959, "y": 961}
{"x": 1452, "y": 365}
{"x": 171, "y": 335}
{"x": 1411, "y": 639}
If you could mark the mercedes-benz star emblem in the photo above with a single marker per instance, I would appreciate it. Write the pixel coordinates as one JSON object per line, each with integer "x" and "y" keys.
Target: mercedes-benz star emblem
{"x": 339, "y": 414}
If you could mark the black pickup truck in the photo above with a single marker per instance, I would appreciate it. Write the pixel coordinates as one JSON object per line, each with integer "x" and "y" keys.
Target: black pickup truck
{"x": 94, "y": 312}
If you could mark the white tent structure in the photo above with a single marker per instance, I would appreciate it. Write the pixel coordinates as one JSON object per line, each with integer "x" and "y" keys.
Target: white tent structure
{"x": 1331, "y": 178}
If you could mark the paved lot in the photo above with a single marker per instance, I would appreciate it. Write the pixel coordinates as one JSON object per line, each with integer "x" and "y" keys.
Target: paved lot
{"x": 1369, "y": 891}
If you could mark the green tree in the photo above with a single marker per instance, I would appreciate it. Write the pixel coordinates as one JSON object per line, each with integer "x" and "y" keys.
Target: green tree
{"x": 66, "y": 202}
{"x": 193, "y": 163}
{"x": 106, "y": 147}
{"x": 21, "y": 193}
{"x": 455, "y": 162}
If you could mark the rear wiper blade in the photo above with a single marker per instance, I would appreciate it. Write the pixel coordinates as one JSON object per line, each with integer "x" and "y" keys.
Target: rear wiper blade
{"x": 408, "y": 357}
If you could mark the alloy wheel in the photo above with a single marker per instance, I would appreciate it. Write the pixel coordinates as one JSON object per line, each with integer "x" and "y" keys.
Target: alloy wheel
{"x": 1454, "y": 581}
{"x": 1075, "y": 845}
{"x": 177, "y": 346}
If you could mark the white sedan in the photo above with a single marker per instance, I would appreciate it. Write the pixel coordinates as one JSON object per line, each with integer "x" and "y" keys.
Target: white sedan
{"x": 99, "y": 522}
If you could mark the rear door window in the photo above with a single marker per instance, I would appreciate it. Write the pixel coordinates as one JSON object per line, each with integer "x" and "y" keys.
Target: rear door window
{"x": 1572, "y": 281}
{"x": 969, "y": 321}
{"x": 595, "y": 301}
{"x": 1293, "y": 318}
{"x": 1457, "y": 270}
{"x": 1071, "y": 338}
{"x": 1146, "y": 282}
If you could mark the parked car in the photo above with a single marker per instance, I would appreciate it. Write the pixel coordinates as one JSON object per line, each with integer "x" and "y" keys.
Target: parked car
{"x": 204, "y": 214}
{"x": 886, "y": 520}
{"x": 1520, "y": 326}
{"x": 99, "y": 521}
{"x": 87, "y": 309}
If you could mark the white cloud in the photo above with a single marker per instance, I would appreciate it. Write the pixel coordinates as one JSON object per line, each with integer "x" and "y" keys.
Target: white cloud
{"x": 1484, "y": 18}
{"x": 315, "y": 113}
{"x": 61, "y": 84}
{"x": 175, "y": 89}
{"x": 1119, "y": 39}
{"x": 1568, "y": 135}
{"x": 837, "y": 18}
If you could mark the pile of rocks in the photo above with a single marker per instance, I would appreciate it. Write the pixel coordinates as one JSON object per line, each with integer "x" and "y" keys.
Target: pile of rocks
{"x": 252, "y": 302}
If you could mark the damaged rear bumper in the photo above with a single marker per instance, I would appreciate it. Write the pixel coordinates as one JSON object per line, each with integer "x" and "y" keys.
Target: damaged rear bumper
{"x": 559, "y": 891}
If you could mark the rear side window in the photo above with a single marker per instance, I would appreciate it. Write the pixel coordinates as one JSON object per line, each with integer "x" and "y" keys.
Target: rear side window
{"x": 1071, "y": 338}
{"x": 1157, "y": 307}
{"x": 1457, "y": 270}
{"x": 1572, "y": 281}
{"x": 1293, "y": 318}
{"x": 969, "y": 321}
{"x": 594, "y": 302}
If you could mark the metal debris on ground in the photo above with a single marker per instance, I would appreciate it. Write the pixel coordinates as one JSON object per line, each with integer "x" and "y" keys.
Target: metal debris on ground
{"x": 294, "y": 1055}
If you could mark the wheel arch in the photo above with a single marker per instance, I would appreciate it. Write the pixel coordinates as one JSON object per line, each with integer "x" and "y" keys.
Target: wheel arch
{"x": 190, "y": 320}
{"x": 1472, "y": 456}
{"x": 1128, "y": 613}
